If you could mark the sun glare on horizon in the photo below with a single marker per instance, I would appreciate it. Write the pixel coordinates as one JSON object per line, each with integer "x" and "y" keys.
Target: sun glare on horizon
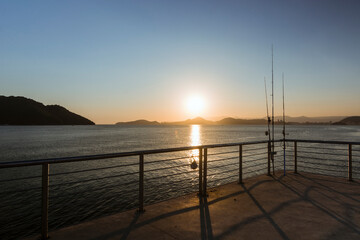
{"x": 195, "y": 105}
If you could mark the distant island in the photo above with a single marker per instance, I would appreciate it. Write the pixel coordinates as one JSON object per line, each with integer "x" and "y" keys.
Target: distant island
{"x": 139, "y": 122}
{"x": 24, "y": 111}
{"x": 355, "y": 120}
{"x": 200, "y": 121}
{"x": 261, "y": 121}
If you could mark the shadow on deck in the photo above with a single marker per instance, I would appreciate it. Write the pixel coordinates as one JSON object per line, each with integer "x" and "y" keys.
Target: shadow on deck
{"x": 297, "y": 206}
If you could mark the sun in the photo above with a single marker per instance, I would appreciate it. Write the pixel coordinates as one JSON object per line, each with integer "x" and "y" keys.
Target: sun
{"x": 195, "y": 105}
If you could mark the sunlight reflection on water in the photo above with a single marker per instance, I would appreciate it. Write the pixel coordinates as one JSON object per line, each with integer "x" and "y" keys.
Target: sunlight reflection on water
{"x": 195, "y": 140}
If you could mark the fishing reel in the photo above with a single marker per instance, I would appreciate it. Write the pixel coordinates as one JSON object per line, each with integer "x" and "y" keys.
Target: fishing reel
{"x": 193, "y": 164}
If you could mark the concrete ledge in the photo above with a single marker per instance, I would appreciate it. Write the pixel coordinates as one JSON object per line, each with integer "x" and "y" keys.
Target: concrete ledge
{"x": 297, "y": 206}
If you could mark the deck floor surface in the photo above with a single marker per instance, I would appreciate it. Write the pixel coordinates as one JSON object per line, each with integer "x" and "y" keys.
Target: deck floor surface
{"x": 295, "y": 206}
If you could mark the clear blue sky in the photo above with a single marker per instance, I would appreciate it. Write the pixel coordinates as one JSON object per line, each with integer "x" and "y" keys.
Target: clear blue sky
{"x": 124, "y": 60}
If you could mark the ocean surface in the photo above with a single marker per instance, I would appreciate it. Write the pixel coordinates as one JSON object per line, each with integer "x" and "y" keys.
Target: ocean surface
{"x": 86, "y": 190}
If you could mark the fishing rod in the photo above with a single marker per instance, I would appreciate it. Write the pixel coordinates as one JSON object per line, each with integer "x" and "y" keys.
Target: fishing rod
{"x": 267, "y": 111}
{"x": 267, "y": 133}
{"x": 272, "y": 120}
{"x": 283, "y": 132}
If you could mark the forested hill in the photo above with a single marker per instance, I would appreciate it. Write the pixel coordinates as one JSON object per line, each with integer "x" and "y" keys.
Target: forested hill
{"x": 24, "y": 111}
{"x": 355, "y": 120}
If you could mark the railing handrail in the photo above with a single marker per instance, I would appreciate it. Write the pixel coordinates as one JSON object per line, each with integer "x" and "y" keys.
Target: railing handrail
{"x": 151, "y": 151}
{"x": 321, "y": 141}
{"x": 121, "y": 154}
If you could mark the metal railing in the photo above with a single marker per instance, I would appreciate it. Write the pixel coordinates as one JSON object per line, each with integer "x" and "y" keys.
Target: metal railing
{"x": 156, "y": 169}
{"x": 217, "y": 164}
{"x": 335, "y": 158}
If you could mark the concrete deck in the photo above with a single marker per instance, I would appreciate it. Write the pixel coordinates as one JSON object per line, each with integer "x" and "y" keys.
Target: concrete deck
{"x": 297, "y": 206}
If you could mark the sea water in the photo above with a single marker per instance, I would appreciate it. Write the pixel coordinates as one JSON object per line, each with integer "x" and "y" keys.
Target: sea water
{"x": 79, "y": 192}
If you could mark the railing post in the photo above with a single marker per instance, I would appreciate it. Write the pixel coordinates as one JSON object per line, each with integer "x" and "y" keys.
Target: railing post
{"x": 350, "y": 163}
{"x": 45, "y": 201}
{"x": 240, "y": 165}
{"x": 141, "y": 183}
{"x": 269, "y": 152}
{"x": 295, "y": 156}
{"x": 200, "y": 173}
{"x": 205, "y": 172}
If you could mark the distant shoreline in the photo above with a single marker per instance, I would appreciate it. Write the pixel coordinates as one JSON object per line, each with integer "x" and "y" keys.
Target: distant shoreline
{"x": 355, "y": 120}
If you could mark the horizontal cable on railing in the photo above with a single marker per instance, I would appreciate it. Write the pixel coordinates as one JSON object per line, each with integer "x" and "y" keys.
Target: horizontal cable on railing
{"x": 255, "y": 170}
{"x": 79, "y": 191}
{"x": 165, "y": 168}
{"x": 167, "y": 185}
{"x": 336, "y": 149}
{"x": 225, "y": 165}
{"x": 169, "y": 159}
{"x": 129, "y": 191}
{"x": 288, "y": 165}
{"x": 231, "y": 170}
{"x": 222, "y": 159}
{"x": 18, "y": 179}
{"x": 170, "y": 175}
{"x": 212, "y": 154}
{"x": 254, "y": 149}
{"x": 288, "y": 145}
{"x": 254, "y": 165}
{"x": 323, "y": 153}
{"x": 219, "y": 179}
{"x": 178, "y": 181}
{"x": 21, "y": 190}
{"x": 287, "y": 151}
{"x": 323, "y": 164}
{"x": 122, "y": 192}
{"x": 93, "y": 169}
{"x": 190, "y": 188}
{"x": 254, "y": 159}
{"x": 289, "y": 155}
{"x": 129, "y": 183}
{"x": 255, "y": 154}
{"x": 323, "y": 159}
{"x": 94, "y": 179}
{"x": 322, "y": 169}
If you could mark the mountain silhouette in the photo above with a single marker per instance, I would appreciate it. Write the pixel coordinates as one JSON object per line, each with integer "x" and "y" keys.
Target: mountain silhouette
{"x": 257, "y": 121}
{"x": 354, "y": 120}
{"x": 25, "y": 111}
{"x": 233, "y": 121}
{"x": 139, "y": 122}
{"x": 197, "y": 120}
